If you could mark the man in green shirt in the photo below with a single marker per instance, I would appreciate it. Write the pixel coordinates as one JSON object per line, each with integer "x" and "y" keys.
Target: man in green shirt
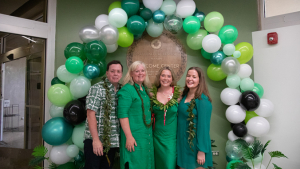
{"x": 102, "y": 130}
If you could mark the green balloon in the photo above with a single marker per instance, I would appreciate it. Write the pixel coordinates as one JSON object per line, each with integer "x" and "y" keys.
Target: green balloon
{"x": 59, "y": 95}
{"x": 75, "y": 49}
{"x": 142, "y": 6}
{"x": 194, "y": 40}
{"x": 74, "y": 65}
{"x": 205, "y": 54}
{"x": 131, "y": 7}
{"x": 146, "y": 14}
{"x": 95, "y": 50}
{"x": 125, "y": 37}
{"x": 191, "y": 24}
{"x": 102, "y": 65}
{"x": 228, "y": 34}
{"x": 247, "y": 84}
{"x": 78, "y": 135}
{"x": 232, "y": 162}
{"x": 213, "y": 21}
{"x": 236, "y": 54}
{"x": 72, "y": 151}
{"x": 136, "y": 25}
{"x": 233, "y": 81}
{"x": 68, "y": 165}
{"x": 258, "y": 89}
{"x": 249, "y": 115}
{"x": 56, "y": 80}
{"x": 116, "y": 4}
{"x": 215, "y": 73}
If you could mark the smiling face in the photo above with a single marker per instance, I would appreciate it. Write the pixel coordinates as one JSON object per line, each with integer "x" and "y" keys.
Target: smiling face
{"x": 192, "y": 79}
{"x": 165, "y": 78}
{"x": 114, "y": 73}
{"x": 139, "y": 74}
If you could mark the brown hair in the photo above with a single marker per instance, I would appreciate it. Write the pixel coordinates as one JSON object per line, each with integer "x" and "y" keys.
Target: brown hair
{"x": 202, "y": 87}
{"x": 113, "y": 62}
{"x": 157, "y": 81}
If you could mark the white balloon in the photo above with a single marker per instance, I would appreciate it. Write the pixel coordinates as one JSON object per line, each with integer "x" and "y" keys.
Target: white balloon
{"x": 211, "y": 43}
{"x": 117, "y": 17}
{"x": 153, "y": 5}
{"x": 185, "y": 8}
{"x": 257, "y": 166}
{"x": 230, "y": 96}
{"x": 56, "y": 111}
{"x": 245, "y": 71}
{"x": 232, "y": 136}
{"x": 111, "y": 48}
{"x": 235, "y": 114}
{"x": 265, "y": 109}
{"x": 258, "y": 126}
{"x": 101, "y": 21}
{"x": 79, "y": 87}
{"x": 58, "y": 154}
{"x": 248, "y": 138}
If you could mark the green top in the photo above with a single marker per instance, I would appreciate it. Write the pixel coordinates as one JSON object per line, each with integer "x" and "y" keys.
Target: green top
{"x": 95, "y": 101}
{"x": 186, "y": 158}
{"x": 130, "y": 106}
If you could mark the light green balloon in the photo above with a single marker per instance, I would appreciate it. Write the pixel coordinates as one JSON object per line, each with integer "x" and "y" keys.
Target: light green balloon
{"x": 194, "y": 40}
{"x": 80, "y": 86}
{"x": 64, "y": 75}
{"x": 213, "y": 21}
{"x": 236, "y": 54}
{"x": 59, "y": 95}
{"x": 233, "y": 81}
{"x": 154, "y": 29}
{"x": 168, "y": 7}
{"x": 228, "y": 49}
{"x": 247, "y": 84}
{"x": 56, "y": 111}
{"x": 78, "y": 135}
{"x": 72, "y": 151}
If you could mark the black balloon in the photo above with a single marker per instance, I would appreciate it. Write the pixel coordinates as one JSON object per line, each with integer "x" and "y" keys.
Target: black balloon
{"x": 240, "y": 130}
{"x": 232, "y": 124}
{"x": 249, "y": 100}
{"x": 82, "y": 100}
{"x": 74, "y": 112}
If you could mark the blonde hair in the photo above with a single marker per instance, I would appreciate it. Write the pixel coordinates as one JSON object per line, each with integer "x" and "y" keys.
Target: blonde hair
{"x": 157, "y": 81}
{"x": 132, "y": 67}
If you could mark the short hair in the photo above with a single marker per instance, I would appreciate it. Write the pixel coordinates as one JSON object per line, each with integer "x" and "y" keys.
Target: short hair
{"x": 113, "y": 62}
{"x": 157, "y": 81}
{"x": 132, "y": 67}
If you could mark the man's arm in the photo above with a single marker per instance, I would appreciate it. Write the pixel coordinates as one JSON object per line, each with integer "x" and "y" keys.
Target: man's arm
{"x": 92, "y": 121}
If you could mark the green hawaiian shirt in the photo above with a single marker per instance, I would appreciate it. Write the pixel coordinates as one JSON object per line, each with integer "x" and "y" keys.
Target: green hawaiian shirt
{"x": 95, "y": 101}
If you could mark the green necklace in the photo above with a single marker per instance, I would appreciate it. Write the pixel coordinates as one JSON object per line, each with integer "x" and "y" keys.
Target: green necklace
{"x": 191, "y": 127}
{"x": 170, "y": 103}
{"x": 143, "y": 108}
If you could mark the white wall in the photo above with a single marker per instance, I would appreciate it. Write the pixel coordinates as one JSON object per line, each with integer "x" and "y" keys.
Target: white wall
{"x": 277, "y": 69}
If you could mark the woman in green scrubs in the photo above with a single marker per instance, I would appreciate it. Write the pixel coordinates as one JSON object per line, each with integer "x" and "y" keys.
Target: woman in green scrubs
{"x": 136, "y": 147}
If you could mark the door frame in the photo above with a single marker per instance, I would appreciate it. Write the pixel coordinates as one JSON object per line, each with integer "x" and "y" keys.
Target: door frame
{"x": 15, "y": 25}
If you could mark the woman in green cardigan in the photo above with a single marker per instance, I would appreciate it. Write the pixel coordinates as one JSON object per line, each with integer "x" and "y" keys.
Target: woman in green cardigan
{"x": 136, "y": 146}
{"x": 194, "y": 113}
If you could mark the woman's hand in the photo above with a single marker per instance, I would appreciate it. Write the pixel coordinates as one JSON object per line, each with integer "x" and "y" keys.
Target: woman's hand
{"x": 97, "y": 147}
{"x": 201, "y": 157}
{"x": 130, "y": 143}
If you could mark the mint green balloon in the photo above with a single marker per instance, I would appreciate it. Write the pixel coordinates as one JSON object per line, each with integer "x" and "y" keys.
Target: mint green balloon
{"x": 237, "y": 54}
{"x": 64, "y": 75}
{"x": 78, "y": 135}
{"x": 233, "y": 81}
{"x": 247, "y": 84}
{"x": 74, "y": 65}
{"x": 154, "y": 29}
{"x": 205, "y": 54}
{"x": 213, "y": 21}
{"x": 80, "y": 86}
{"x": 194, "y": 40}
{"x": 72, "y": 151}
{"x": 191, "y": 24}
{"x": 56, "y": 111}
{"x": 228, "y": 49}
{"x": 168, "y": 7}
{"x": 59, "y": 95}
{"x": 258, "y": 89}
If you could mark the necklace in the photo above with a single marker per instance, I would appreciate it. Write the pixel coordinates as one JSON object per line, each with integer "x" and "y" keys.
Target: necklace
{"x": 191, "y": 127}
{"x": 143, "y": 108}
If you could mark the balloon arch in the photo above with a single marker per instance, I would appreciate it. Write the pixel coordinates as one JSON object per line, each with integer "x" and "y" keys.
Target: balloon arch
{"x": 125, "y": 22}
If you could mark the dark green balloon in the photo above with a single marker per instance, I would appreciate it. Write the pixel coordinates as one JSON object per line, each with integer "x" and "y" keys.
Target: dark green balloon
{"x": 68, "y": 165}
{"x": 142, "y": 6}
{"x": 136, "y": 25}
{"x": 95, "y": 50}
{"x": 146, "y": 14}
{"x": 56, "y": 81}
{"x": 205, "y": 54}
{"x": 131, "y": 7}
{"x": 101, "y": 64}
{"x": 75, "y": 49}
{"x": 79, "y": 157}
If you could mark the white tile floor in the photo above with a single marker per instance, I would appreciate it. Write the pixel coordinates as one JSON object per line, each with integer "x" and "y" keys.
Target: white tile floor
{"x": 13, "y": 139}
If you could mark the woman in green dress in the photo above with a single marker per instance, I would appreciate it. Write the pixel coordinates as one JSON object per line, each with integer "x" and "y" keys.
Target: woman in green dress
{"x": 164, "y": 106}
{"x": 194, "y": 113}
{"x": 136, "y": 145}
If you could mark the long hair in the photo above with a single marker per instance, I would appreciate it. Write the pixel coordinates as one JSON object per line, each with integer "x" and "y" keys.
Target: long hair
{"x": 157, "y": 81}
{"x": 132, "y": 67}
{"x": 202, "y": 87}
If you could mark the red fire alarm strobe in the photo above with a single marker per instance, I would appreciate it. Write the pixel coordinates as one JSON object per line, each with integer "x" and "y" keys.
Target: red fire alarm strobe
{"x": 272, "y": 38}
